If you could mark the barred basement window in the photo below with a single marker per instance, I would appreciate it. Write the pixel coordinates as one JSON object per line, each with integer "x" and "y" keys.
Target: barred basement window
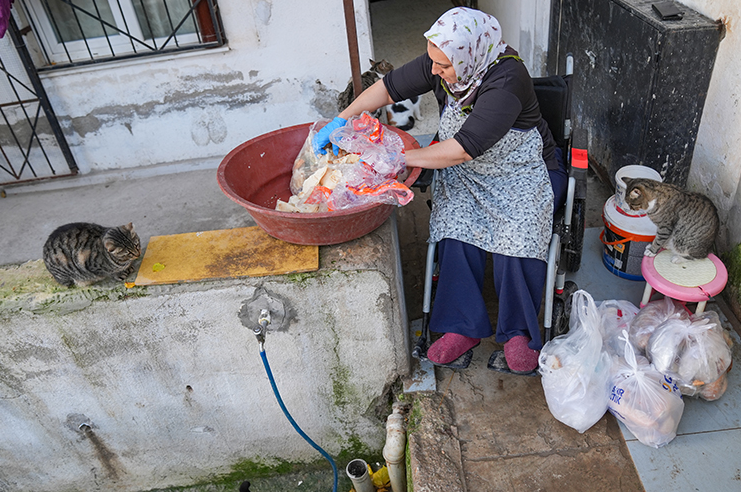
{"x": 81, "y": 32}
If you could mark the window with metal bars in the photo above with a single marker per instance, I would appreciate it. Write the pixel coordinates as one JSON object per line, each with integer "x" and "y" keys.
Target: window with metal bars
{"x": 83, "y": 32}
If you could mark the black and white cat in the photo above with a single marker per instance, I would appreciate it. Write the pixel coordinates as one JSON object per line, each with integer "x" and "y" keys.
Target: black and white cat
{"x": 403, "y": 113}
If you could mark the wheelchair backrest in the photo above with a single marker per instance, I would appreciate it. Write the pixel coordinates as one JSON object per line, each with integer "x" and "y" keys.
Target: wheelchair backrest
{"x": 554, "y": 99}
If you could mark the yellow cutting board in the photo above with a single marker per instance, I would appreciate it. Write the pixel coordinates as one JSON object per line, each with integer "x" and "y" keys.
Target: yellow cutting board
{"x": 228, "y": 253}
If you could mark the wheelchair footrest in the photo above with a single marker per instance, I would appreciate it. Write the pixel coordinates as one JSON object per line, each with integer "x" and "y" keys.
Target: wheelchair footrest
{"x": 461, "y": 362}
{"x": 497, "y": 362}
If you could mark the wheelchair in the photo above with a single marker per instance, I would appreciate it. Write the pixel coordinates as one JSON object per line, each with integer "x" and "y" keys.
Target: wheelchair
{"x": 565, "y": 250}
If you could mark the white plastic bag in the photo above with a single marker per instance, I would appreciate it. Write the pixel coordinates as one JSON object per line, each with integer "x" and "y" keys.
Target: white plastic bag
{"x": 650, "y": 317}
{"x": 382, "y": 149}
{"x": 696, "y": 350}
{"x": 366, "y": 169}
{"x": 615, "y": 316}
{"x": 575, "y": 370}
{"x": 648, "y": 402}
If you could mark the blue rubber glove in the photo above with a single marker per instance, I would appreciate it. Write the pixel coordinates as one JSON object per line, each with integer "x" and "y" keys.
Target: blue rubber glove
{"x": 321, "y": 139}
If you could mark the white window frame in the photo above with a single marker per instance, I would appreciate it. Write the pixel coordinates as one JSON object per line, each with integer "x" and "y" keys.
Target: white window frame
{"x": 99, "y": 47}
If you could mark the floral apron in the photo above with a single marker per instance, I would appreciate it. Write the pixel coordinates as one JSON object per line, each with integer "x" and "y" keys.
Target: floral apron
{"x": 501, "y": 201}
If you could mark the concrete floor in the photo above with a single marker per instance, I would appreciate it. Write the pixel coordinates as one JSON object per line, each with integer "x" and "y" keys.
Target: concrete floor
{"x": 507, "y": 440}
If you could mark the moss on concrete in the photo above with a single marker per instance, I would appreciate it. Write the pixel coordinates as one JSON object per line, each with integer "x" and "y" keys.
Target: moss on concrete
{"x": 30, "y": 287}
{"x": 302, "y": 279}
{"x": 275, "y": 475}
{"x": 732, "y": 292}
{"x": 415, "y": 415}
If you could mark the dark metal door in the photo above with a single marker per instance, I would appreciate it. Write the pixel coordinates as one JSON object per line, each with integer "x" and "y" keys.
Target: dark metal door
{"x": 32, "y": 145}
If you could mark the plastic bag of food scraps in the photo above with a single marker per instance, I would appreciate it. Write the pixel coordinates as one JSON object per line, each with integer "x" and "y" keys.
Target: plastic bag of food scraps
{"x": 697, "y": 350}
{"x": 575, "y": 371}
{"x": 369, "y": 160}
{"x": 615, "y": 316}
{"x": 648, "y": 402}
{"x": 650, "y": 317}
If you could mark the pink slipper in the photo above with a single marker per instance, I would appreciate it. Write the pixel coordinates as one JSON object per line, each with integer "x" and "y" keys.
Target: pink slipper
{"x": 521, "y": 359}
{"x": 449, "y": 347}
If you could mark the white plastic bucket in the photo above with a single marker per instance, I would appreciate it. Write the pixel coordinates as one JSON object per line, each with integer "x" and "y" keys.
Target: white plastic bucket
{"x": 631, "y": 172}
{"x": 625, "y": 238}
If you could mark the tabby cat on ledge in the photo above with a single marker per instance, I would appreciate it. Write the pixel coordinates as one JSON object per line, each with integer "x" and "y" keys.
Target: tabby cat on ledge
{"x": 686, "y": 222}
{"x": 83, "y": 253}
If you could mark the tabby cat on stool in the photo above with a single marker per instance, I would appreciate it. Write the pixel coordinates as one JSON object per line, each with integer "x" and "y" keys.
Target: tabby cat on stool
{"x": 83, "y": 253}
{"x": 686, "y": 222}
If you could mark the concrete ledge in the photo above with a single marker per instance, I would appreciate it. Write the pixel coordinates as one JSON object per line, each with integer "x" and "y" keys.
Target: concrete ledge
{"x": 130, "y": 389}
{"x": 434, "y": 448}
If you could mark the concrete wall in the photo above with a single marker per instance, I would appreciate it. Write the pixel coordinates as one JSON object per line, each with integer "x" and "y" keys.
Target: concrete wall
{"x": 170, "y": 381}
{"x": 716, "y": 163}
{"x": 283, "y": 65}
{"x": 525, "y": 28}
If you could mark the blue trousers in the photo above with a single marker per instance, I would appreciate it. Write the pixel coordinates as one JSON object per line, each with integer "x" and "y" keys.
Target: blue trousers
{"x": 459, "y": 305}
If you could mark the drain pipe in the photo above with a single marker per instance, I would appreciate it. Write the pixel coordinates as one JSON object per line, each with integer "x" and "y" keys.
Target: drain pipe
{"x": 394, "y": 452}
{"x": 357, "y": 471}
{"x": 352, "y": 45}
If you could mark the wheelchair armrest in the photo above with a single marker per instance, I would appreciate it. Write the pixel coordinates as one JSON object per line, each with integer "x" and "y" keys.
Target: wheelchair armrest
{"x": 424, "y": 179}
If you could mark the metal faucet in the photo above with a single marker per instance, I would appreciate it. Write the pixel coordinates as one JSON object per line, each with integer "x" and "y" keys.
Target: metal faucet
{"x": 262, "y": 325}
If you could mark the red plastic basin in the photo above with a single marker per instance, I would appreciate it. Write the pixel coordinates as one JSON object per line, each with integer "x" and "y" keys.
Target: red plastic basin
{"x": 258, "y": 172}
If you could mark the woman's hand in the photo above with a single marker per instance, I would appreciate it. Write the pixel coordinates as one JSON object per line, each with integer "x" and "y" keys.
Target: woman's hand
{"x": 321, "y": 139}
{"x": 369, "y": 100}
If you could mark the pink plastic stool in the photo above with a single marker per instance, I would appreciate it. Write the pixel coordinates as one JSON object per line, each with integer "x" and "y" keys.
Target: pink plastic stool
{"x": 691, "y": 281}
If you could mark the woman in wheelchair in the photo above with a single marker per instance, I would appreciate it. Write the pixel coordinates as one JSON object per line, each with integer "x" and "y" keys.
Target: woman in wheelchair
{"x": 492, "y": 189}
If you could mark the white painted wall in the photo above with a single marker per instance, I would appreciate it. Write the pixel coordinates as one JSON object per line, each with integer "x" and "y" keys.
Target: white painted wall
{"x": 283, "y": 65}
{"x": 716, "y": 163}
{"x": 525, "y": 27}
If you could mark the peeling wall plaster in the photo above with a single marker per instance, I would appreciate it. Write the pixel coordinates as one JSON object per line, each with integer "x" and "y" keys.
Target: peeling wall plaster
{"x": 225, "y": 96}
{"x": 202, "y": 104}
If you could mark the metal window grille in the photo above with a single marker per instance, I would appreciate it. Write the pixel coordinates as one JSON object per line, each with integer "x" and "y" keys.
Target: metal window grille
{"x": 32, "y": 145}
{"x": 75, "y": 33}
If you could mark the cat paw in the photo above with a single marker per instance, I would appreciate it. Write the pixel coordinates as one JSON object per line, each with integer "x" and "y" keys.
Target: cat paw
{"x": 678, "y": 260}
{"x": 648, "y": 252}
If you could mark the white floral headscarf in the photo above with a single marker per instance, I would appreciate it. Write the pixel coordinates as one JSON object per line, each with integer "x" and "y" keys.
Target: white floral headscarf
{"x": 472, "y": 41}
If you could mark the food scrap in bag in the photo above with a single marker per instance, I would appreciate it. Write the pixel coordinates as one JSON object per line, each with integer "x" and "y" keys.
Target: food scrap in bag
{"x": 696, "y": 350}
{"x": 365, "y": 170}
{"x": 650, "y": 317}
{"x": 648, "y": 402}
{"x": 575, "y": 371}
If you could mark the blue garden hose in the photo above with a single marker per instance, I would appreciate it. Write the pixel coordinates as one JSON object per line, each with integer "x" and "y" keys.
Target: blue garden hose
{"x": 293, "y": 422}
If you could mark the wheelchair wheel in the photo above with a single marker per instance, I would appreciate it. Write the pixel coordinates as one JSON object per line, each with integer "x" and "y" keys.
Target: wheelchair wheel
{"x": 571, "y": 254}
{"x": 562, "y": 309}
{"x": 559, "y": 321}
